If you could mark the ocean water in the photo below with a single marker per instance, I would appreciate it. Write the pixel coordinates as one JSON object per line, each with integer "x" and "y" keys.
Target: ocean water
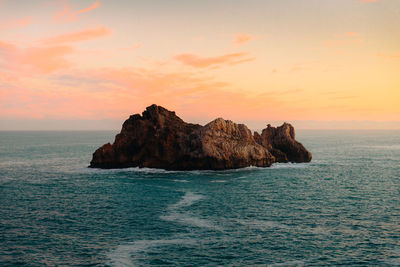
{"x": 343, "y": 208}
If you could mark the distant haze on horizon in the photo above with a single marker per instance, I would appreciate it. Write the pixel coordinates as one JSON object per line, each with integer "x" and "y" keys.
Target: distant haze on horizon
{"x": 70, "y": 65}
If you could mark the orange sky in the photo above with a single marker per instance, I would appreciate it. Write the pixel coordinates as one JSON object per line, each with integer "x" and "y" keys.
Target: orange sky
{"x": 319, "y": 64}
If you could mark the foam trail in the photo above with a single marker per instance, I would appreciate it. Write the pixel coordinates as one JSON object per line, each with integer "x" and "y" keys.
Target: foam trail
{"x": 187, "y": 200}
{"x": 177, "y": 214}
{"x": 122, "y": 255}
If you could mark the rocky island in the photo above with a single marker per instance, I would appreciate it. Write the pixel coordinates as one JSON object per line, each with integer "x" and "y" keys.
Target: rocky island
{"x": 160, "y": 139}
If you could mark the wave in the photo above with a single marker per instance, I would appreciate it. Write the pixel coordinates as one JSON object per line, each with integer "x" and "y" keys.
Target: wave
{"x": 289, "y": 263}
{"x": 383, "y": 147}
{"x": 265, "y": 225}
{"x": 262, "y": 225}
{"x": 188, "y": 219}
{"x": 131, "y": 169}
{"x": 204, "y": 172}
{"x": 289, "y": 165}
{"x": 394, "y": 260}
{"x": 180, "y": 181}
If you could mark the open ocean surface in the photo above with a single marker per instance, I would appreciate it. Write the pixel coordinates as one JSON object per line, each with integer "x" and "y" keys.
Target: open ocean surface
{"x": 343, "y": 208}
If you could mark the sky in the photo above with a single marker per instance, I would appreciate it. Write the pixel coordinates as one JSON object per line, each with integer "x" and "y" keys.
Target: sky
{"x": 88, "y": 64}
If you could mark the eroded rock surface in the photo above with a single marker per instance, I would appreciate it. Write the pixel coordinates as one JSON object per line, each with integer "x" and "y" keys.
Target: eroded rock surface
{"x": 160, "y": 139}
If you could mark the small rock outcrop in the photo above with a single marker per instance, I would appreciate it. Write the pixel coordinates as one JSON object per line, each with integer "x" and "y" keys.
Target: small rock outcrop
{"x": 160, "y": 139}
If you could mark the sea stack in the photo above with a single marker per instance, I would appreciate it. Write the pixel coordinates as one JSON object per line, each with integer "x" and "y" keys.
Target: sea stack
{"x": 160, "y": 139}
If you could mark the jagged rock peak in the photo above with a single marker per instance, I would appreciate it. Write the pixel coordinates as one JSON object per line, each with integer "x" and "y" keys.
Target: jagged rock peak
{"x": 160, "y": 139}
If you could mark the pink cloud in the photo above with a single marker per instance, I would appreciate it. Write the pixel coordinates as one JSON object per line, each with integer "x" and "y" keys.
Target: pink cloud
{"x": 43, "y": 59}
{"x": 369, "y": 1}
{"x": 67, "y": 15}
{"x": 100, "y": 93}
{"x": 5, "y": 46}
{"x": 83, "y": 35}
{"x": 47, "y": 56}
{"x": 203, "y": 62}
{"x": 16, "y": 23}
{"x": 119, "y": 92}
{"x": 242, "y": 38}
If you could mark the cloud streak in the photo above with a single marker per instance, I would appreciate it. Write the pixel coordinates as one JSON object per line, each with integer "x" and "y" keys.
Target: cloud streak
{"x": 67, "y": 15}
{"x": 204, "y": 62}
{"x": 242, "y": 38}
{"x": 16, "y": 23}
{"x": 43, "y": 59}
{"x": 79, "y": 36}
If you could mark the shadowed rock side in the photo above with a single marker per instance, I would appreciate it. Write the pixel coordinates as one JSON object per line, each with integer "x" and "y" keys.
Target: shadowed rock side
{"x": 160, "y": 139}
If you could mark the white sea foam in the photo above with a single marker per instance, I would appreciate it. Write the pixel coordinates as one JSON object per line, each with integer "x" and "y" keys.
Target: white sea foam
{"x": 218, "y": 181}
{"x": 131, "y": 169}
{"x": 180, "y": 181}
{"x": 200, "y": 172}
{"x": 124, "y": 255}
{"x": 187, "y": 200}
{"x": 289, "y": 165}
{"x": 176, "y": 213}
{"x": 193, "y": 172}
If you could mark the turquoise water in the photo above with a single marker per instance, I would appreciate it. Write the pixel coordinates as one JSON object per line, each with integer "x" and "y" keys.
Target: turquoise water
{"x": 341, "y": 209}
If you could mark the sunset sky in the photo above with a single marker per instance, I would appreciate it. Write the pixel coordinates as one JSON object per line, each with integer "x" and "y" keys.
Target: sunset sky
{"x": 90, "y": 64}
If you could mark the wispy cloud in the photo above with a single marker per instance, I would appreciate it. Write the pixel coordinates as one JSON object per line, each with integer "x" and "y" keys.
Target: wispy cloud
{"x": 16, "y": 23}
{"x": 67, "y": 15}
{"x": 242, "y": 38}
{"x": 369, "y": 1}
{"x": 83, "y": 35}
{"x": 203, "y": 62}
{"x": 43, "y": 59}
{"x": 46, "y": 59}
{"x": 5, "y": 46}
{"x": 46, "y": 55}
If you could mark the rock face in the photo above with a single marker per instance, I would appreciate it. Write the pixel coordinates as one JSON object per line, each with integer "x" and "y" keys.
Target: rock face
{"x": 160, "y": 139}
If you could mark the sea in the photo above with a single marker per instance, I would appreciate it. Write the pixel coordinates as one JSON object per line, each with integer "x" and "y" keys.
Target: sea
{"x": 343, "y": 208}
